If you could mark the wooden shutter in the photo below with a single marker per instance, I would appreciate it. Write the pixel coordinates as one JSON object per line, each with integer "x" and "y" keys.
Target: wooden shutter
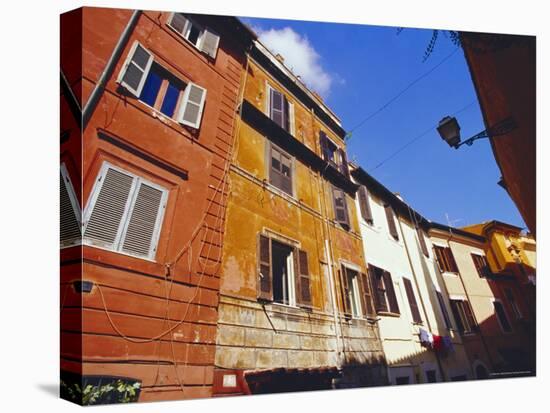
{"x": 343, "y": 167}
{"x": 443, "y": 308}
{"x": 456, "y": 313}
{"x": 141, "y": 232}
{"x": 109, "y": 204}
{"x": 323, "y": 143}
{"x": 280, "y": 170}
{"x": 135, "y": 69}
{"x": 469, "y": 315}
{"x": 70, "y": 214}
{"x": 265, "y": 278}
{"x": 422, "y": 241}
{"x": 391, "y": 221}
{"x": 366, "y": 296}
{"x": 209, "y": 43}
{"x": 440, "y": 258}
{"x": 179, "y": 23}
{"x": 412, "y": 301}
{"x": 340, "y": 206}
{"x": 275, "y": 177}
{"x": 303, "y": 283}
{"x": 345, "y": 290}
{"x": 481, "y": 265}
{"x": 364, "y": 204}
{"x": 192, "y": 105}
{"x": 286, "y": 173}
{"x": 390, "y": 293}
{"x": 451, "y": 260}
{"x": 379, "y": 296}
{"x": 502, "y": 317}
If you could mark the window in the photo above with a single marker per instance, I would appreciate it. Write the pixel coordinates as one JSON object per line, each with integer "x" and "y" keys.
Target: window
{"x": 161, "y": 90}
{"x": 364, "y": 205}
{"x": 502, "y": 317}
{"x": 513, "y": 303}
{"x": 383, "y": 295}
{"x": 283, "y": 273}
{"x": 340, "y": 207}
{"x": 445, "y": 259}
{"x": 280, "y": 110}
{"x": 402, "y": 380}
{"x": 280, "y": 169}
{"x": 124, "y": 213}
{"x": 390, "y": 217}
{"x": 356, "y": 293}
{"x": 70, "y": 215}
{"x": 463, "y": 316}
{"x": 335, "y": 156}
{"x": 415, "y": 312}
{"x": 443, "y": 308}
{"x": 481, "y": 265}
{"x": 201, "y": 37}
{"x": 431, "y": 376}
{"x": 158, "y": 88}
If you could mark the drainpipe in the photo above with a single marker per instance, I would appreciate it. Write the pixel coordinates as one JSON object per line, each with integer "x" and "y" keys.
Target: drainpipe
{"x": 439, "y": 364}
{"x": 109, "y": 68}
{"x": 72, "y": 100}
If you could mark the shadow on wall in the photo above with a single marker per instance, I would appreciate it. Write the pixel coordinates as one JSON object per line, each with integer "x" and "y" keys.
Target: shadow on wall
{"x": 286, "y": 380}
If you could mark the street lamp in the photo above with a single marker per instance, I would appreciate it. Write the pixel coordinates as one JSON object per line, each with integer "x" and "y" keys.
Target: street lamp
{"x": 449, "y": 130}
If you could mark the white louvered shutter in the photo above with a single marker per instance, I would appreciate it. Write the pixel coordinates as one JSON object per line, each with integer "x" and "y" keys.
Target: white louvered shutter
{"x": 140, "y": 236}
{"x": 179, "y": 23}
{"x": 70, "y": 215}
{"x": 109, "y": 205}
{"x": 209, "y": 43}
{"x": 193, "y": 99}
{"x": 136, "y": 68}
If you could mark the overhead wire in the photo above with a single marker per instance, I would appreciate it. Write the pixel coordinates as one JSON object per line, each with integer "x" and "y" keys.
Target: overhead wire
{"x": 416, "y": 138}
{"x": 399, "y": 94}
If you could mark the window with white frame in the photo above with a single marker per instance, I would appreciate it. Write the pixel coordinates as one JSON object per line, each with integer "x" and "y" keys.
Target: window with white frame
{"x": 70, "y": 213}
{"x": 158, "y": 88}
{"x": 352, "y": 278}
{"x": 124, "y": 213}
{"x": 280, "y": 110}
{"x": 203, "y": 38}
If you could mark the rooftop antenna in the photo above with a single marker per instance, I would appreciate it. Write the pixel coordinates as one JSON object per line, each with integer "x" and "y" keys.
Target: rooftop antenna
{"x": 451, "y": 222}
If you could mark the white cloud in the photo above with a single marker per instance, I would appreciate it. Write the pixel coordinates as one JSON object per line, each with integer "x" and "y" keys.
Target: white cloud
{"x": 300, "y": 57}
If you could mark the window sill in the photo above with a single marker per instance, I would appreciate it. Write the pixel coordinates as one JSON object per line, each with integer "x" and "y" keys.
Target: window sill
{"x": 388, "y": 314}
{"x": 281, "y": 192}
{"x": 90, "y": 245}
{"x": 450, "y": 273}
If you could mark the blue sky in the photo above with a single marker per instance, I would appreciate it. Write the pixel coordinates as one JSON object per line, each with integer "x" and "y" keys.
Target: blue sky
{"x": 358, "y": 69}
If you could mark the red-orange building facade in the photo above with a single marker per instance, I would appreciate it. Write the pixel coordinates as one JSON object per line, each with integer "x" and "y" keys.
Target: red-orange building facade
{"x": 144, "y": 176}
